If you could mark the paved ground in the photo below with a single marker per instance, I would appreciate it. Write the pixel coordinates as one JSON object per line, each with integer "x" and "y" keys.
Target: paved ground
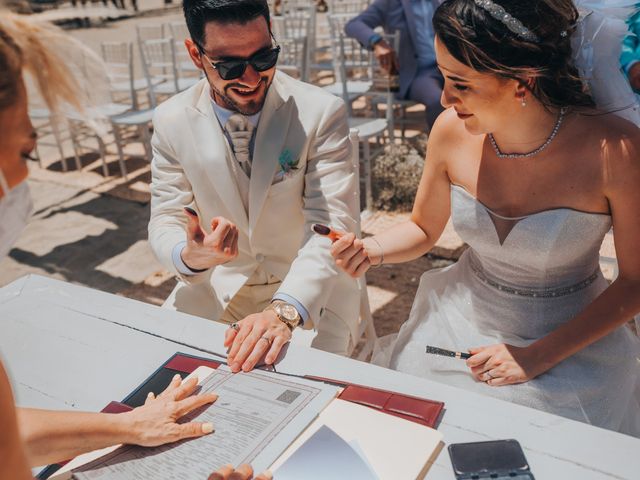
{"x": 92, "y": 230}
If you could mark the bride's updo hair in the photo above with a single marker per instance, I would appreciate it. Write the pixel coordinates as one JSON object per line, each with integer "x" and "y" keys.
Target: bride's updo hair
{"x": 475, "y": 38}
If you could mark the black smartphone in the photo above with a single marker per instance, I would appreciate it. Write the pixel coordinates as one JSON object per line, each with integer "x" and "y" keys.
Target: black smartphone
{"x": 497, "y": 459}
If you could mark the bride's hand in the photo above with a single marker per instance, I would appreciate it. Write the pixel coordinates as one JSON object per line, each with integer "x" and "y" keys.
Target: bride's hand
{"x": 502, "y": 364}
{"x": 351, "y": 255}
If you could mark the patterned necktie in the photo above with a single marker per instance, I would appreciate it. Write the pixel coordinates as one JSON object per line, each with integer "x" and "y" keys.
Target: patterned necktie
{"x": 240, "y": 130}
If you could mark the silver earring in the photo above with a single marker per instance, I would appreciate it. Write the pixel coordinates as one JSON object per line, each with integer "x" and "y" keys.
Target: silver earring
{"x": 523, "y": 101}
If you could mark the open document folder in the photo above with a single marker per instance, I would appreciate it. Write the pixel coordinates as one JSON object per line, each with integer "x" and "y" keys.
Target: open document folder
{"x": 258, "y": 416}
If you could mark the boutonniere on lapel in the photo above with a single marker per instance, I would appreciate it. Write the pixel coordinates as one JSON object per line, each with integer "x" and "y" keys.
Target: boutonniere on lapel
{"x": 287, "y": 164}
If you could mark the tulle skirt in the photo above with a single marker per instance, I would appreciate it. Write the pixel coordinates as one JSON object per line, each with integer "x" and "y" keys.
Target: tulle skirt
{"x": 455, "y": 309}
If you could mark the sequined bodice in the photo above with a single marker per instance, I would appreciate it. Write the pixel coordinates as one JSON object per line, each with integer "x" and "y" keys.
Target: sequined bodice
{"x": 545, "y": 251}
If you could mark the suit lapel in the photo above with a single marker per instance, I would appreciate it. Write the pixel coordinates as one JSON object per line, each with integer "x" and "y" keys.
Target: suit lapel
{"x": 270, "y": 138}
{"x": 213, "y": 149}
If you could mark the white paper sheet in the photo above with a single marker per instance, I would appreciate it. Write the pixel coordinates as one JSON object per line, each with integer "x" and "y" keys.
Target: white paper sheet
{"x": 325, "y": 455}
{"x": 257, "y": 415}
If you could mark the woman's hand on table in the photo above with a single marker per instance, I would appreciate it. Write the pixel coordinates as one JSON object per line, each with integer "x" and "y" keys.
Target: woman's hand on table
{"x": 503, "y": 364}
{"x": 244, "y": 472}
{"x": 156, "y": 422}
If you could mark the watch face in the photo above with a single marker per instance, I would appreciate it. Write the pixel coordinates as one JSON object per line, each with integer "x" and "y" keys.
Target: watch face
{"x": 288, "y": 311}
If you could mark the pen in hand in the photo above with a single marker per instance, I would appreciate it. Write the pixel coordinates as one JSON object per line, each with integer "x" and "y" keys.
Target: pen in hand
{"x": 326, "y": 231}
{"x": 447, "y": 353}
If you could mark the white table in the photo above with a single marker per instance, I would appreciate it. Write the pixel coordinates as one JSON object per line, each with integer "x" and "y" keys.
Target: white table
{"x": 70, "y": 347}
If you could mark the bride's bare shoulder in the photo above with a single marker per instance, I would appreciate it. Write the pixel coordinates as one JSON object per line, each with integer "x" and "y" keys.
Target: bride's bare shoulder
{"x": 613, "y": 134}
{"x": 448, "y": 134}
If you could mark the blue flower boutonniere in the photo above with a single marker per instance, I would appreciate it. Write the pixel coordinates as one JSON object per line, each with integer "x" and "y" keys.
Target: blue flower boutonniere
{"x": 287, "y": 163}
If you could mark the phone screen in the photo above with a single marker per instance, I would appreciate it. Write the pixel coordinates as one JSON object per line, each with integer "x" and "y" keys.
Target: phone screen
{"x": 487, "y": 457}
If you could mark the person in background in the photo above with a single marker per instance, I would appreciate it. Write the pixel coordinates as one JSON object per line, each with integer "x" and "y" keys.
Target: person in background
{"x": 415, "y": 60}
{"x": 34, "y": 437}
{"x": 630, "y": 57}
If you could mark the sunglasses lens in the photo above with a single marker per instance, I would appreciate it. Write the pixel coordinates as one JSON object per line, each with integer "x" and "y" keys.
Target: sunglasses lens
{"x": 266, "y": 60}
{"x": 231, "y": 70}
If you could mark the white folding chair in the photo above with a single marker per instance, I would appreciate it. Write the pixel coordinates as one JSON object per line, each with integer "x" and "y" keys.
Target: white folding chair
{"x": 297, "y": 24}
{"x": 353, "y": 7}
{"x": 387, "y": 86}
{"x": 118, "y": 58}
{"x": 179, "y": 32}
{"x": 352, "y": 63}
{"x": 367, "y": 327}
{"x": 350, "y": 90}
{"x": 292, "y": 56}
{"x": 160, "y": 68}
{"x": 152, "y": 31}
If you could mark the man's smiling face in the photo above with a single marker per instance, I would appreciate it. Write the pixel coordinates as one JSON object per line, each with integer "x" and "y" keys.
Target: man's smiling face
{"x": 232, "y": 41}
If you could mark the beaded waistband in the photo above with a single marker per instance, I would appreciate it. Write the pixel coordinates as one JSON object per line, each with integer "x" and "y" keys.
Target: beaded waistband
{"x": 541, "y": 292}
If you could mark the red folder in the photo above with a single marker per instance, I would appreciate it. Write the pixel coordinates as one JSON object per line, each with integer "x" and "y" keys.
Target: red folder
{"x": 419, "y": 410}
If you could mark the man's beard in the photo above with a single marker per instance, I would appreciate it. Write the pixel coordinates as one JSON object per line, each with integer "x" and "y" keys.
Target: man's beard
{"x": 250, "y": 108}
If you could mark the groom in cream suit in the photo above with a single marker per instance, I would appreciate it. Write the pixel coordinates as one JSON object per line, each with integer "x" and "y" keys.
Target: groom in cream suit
{"x": 244, "y": 163}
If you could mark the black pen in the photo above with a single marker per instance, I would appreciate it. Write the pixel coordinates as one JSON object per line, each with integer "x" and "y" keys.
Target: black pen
{"x": 447, "y": 353}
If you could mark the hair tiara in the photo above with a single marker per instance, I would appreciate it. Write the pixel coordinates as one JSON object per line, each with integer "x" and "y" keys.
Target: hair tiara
{"x": 512, "y": 23}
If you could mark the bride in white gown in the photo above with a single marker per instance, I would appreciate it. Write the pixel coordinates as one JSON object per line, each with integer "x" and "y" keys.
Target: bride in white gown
{"x": 533, "y": 178}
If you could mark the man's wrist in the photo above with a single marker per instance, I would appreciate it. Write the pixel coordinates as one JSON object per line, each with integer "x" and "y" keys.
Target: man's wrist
{"x": 286, "y": 313}
{"x": 374, "y": 39}
{"x": 184, "y": 262}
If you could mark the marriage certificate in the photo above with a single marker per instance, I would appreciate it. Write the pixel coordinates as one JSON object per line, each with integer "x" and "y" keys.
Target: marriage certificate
{"x": 256, "y": 417}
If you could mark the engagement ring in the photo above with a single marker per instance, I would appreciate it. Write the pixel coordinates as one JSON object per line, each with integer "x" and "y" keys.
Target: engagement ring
{"x": 235, "y": 326}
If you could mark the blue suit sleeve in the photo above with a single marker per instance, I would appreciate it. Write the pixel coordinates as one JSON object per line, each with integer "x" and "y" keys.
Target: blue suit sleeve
{"x": 361, "y": 27}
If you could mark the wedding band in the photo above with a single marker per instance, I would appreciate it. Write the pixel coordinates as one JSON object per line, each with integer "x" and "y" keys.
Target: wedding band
{"x": 267, "y": 339}
{"x": 235, "y": 326}
{"x": 491, "y": 377}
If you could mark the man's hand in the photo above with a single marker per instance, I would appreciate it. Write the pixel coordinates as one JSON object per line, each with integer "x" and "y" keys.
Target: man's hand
{"x": 206, "y": 250}
{"x": 156, "y": 422}
{"x": 634, "y": 76}
{"x": 257, "y": 335}
{"x": 244, "y": 472}
{"x": 386, "y": 57}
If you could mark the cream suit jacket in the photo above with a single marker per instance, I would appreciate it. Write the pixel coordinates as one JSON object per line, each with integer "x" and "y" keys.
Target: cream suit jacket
{"x": 190, "y": 168}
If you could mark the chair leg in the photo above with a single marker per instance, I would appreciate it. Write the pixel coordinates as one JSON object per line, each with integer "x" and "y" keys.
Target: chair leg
{"x": 103, "y": 155}
{"x": 76, "y": 146}
{"x": 118, "y": 140}
{"x": 56, "y": 134}
{"x": 366, "y": 158}
{"x": 366, "y": 316}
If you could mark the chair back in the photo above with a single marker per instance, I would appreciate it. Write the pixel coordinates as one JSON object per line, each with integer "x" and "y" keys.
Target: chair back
{"x": 118, "y": 58}
{"x": 150, "y": 32}
{"x": 179, "y": 32}
{"x": 350, "y": 60}
{"x": 353, "y": 7}
{"x": 292, "y": 59}
{"x": 159, "y": 62}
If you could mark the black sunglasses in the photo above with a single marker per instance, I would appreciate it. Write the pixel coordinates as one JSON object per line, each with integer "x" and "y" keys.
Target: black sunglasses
{"x": 232, "y": 69}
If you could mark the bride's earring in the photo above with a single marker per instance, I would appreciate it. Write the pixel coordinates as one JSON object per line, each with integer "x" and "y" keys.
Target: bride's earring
{"x": 523, "y": 100}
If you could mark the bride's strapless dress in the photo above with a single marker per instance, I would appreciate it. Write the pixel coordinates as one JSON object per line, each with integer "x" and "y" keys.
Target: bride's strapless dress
{"x": 515, "y": 290}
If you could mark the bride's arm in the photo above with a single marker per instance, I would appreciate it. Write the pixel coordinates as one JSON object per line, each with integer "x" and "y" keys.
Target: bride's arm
{"x": 612, "y": 308}
{"x": 621, "y": 301}
{"x": 409, "y": 240}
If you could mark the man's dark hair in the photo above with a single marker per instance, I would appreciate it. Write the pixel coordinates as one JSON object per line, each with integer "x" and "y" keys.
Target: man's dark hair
{"x": 198, "y": 12}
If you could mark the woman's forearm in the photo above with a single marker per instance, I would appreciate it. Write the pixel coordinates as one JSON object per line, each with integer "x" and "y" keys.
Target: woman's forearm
{"x": 614, "y": 307}
{"x": 52, "y": 436}
{"x": 401, "y": 243}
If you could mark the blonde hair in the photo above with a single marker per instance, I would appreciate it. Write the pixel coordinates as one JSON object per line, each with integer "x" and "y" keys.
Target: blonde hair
{"x": 37, "y": 48}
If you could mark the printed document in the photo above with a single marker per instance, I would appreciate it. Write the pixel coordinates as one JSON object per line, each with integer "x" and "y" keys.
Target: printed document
{"x": 256, "y": 417}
